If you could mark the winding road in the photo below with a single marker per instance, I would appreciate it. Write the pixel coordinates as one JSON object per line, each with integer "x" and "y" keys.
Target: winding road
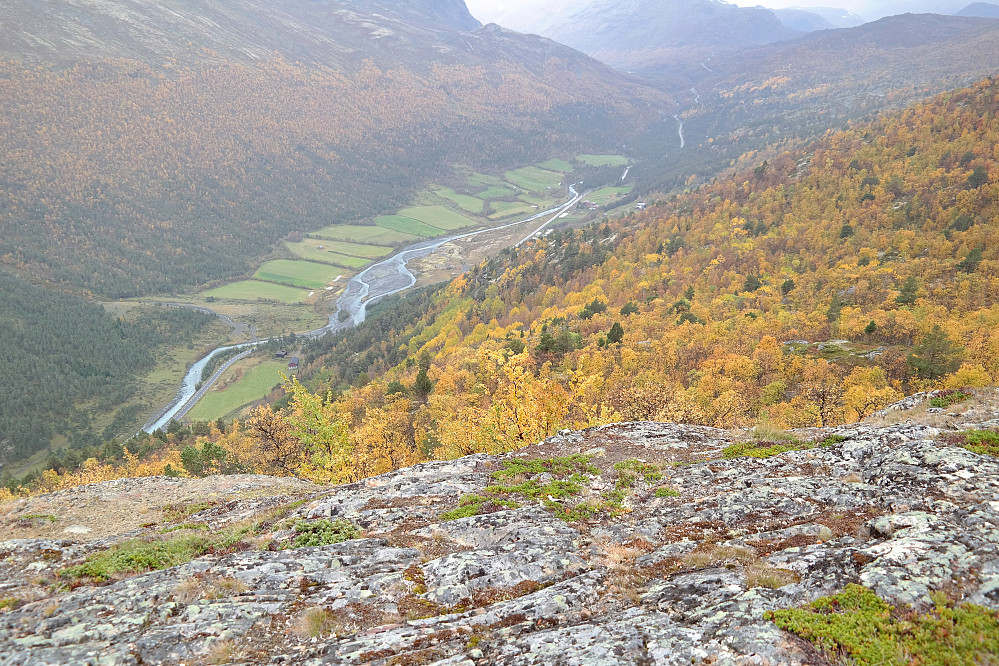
{"x": 384, "y": 278}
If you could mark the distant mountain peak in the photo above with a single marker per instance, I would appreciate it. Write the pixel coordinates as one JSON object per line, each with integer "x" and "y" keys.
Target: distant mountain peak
{"x": 980, "y": 9}
{"x": 631, "y": 33}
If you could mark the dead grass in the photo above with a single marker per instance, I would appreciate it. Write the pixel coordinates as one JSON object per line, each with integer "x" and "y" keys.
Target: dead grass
{"x": 212, "y": 588}
{"x": 762, "y": 574}
{"x": 712, "y": 555}
{"x": 617, "y": 557}
{"x": 316, "y": 622}
{"x": 222, "y": 652}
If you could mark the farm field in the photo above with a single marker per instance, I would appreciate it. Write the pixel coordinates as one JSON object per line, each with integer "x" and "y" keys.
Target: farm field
{"x": 484, "y": 180}
{"x": 556, "y": 165}
{"x": 314, "y": 250}
{"x": 254, "y": 290}
{"x": 310, "y": 274}
{"x": 364, "y": 234}
{"x": 603, "y": 160}
{"x": 437, "y": 216}
{"x": 503, "y": 209}
{"x": 258, "y": 378}
{"x": 497, "y": 192}
{"x": 407, "y": 225}
{"x": 533, "y": 179}
{"x": 607, "y": 194}
{"x": 471, "y": 204}
{"x": 356, "y": 249}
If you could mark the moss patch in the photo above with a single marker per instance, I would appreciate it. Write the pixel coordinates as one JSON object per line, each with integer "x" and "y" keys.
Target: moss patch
{"x": 139, "y": 555}
{"x": 985, "y": 442}
{"x": 475, "y": 505}
{"x": 859, "y": 625}
{"x": 949, "y": 398}
{"x": 769, "y": 449}
{"x": 518, "y": 477}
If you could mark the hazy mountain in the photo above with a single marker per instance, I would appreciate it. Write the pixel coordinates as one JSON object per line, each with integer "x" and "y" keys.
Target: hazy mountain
{"x": 810, "y": 19}
{"x": 875, "y": 9}
{"x": 983, "y": 9}
{"x": 802, "y": 20}
{"x": 635, "y": 34}
{"x": 837, "y": 17}
{"x": 744, "y": 99}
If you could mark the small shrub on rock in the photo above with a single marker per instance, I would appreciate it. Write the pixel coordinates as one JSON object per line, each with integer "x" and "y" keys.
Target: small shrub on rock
{"x": 324, "y": 532}
{"x": 770, "y": 449}
{"x": 861, "y": 626}
{"x": 984, "y": 442}
{"x": 949, "y": 398}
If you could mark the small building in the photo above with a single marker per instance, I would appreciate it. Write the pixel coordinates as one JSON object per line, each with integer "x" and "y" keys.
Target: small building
{"x": 280, "y": 353}
{"x": 293, "y": 363}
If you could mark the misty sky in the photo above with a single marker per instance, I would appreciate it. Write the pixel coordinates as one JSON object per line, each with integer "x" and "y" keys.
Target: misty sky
{"x": 488, "y": 10}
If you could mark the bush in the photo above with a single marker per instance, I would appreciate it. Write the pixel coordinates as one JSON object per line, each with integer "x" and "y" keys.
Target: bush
{"x": 949, "y": 398}
{"x": 324, "y": 532}
{"x": 860, "y": 626}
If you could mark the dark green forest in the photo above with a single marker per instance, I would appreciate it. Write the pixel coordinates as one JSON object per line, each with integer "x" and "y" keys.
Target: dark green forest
{"x": 59, "y": 351}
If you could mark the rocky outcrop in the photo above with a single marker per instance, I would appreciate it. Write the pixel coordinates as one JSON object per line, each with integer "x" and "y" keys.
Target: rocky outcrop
{"x": 654, "y": 548}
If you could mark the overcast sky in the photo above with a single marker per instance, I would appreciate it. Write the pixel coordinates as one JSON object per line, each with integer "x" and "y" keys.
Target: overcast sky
{"x": 487, "y": 10}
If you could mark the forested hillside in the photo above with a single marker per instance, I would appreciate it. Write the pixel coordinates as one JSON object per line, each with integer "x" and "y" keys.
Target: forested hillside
{"x": 121, "y": 180}
{"x": 63, "y": 358}
{"x": 809, "y": 290}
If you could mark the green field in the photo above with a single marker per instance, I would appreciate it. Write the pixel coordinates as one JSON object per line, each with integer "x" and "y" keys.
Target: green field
{"x": 607, "y": 194}
{"x": 497, "y": 192}
{"x": 483, "y": 180}
{"x": 533, "y": 179}
{"x": 471, "y": 204}
{"x": 256, "y": 382}
{"x": 253, "y": 290}
{"x": 308, "y": 274}
{"x": 556, "y": 165}
{"x": 437, "y": 216}
{"x": 364, "y": 234}
{"x": 358, "y": 249}
{"x": 603, "y": 160}
{"x": 318, "y": 250}
{"x": 407, "y": 225}
{"x": 503, "y": 209}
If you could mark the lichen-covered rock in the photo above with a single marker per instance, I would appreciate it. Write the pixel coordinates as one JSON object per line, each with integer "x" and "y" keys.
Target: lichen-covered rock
{"x": 665, "y": 552}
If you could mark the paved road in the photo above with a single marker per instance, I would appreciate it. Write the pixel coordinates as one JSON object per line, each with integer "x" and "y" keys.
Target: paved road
{"x": 200, "y": 393}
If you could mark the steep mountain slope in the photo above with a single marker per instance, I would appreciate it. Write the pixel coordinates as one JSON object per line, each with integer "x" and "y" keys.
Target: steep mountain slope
{"x": 636, "y": 34}
{"x": 137, "y": 172}
{"x": 331, "y": 32}
{"x": 647, "y": 543}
